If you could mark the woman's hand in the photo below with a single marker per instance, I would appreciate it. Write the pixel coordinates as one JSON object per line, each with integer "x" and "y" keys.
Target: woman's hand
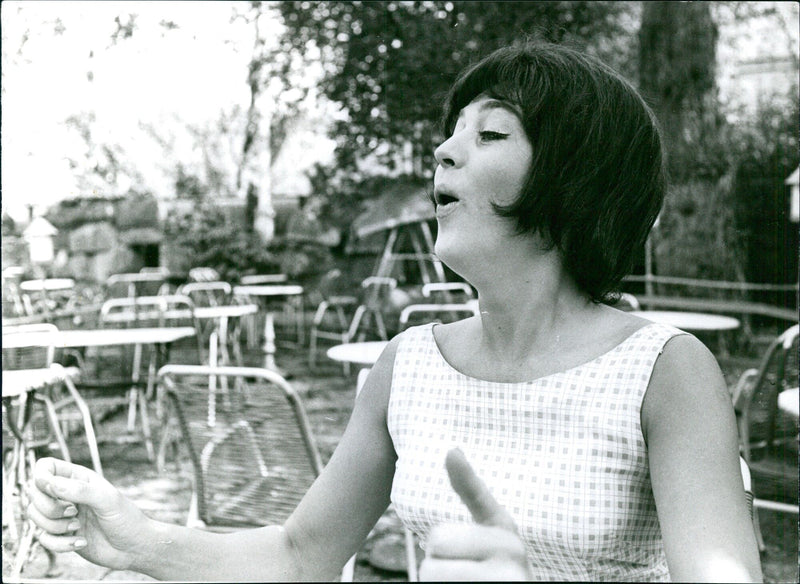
{"x": 80, "y": 511}
{"x": 488, "y": 551}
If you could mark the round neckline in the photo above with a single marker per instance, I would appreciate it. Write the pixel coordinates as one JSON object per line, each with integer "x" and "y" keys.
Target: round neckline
{"x": 616, "y": 348}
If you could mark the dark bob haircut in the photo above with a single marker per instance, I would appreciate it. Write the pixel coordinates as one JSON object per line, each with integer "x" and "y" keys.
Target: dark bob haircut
{"x": 597, "y": 177}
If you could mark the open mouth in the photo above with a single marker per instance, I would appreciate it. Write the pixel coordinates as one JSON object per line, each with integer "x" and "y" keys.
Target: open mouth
{"x": 443, "y": 198}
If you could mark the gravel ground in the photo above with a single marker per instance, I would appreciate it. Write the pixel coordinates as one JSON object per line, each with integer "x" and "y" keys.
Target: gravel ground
{"x": 328, "y": 397}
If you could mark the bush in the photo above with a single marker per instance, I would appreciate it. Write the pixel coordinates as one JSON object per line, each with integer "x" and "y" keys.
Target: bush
{"x": 206, "y": 237}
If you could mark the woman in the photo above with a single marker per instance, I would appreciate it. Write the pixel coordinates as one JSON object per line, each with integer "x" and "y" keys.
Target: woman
{"x": 551, "y": 437}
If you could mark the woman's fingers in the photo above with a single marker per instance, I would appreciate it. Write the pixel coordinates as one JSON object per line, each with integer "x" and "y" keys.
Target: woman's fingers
{"x": 437, "y": 570}
{"x": 474, "y": 493}
{"x": 71, "y": 483}
{"x": 51, "y": 514}
{"x": 61, "y": 543}
{"x": 55, "y": 527}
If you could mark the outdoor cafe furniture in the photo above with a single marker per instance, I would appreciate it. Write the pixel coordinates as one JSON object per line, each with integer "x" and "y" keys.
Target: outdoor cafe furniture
{"x": 31, "y": 379}
{"x": 788, "y": 402}
{"x": 696, "y": 322}
{"x": 263, "y": 279}
{"x": 132, "y": 284}
{"x": 249, "y": 440}
{"x": 335, "y": 319}
{"x": 203, "y": 274}
{"x": 211, "y": 293}
{"x": 768, "y": 432}
{"x": 47, "y": 290}
{"x": 21, "y": 387}
{"x": 267, "y": 291}
{"x": 441, "y": 313}
{"x": 690, "y": 321}
{"x": 446, "y": 290}
{"x": 28, "y": 352}
{"x": 122, "y": 390}
{"x": 364, "y": 353}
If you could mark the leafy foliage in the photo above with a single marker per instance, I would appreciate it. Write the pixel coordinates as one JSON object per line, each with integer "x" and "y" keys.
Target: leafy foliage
{"x": 209, "y": 236}
{"x": 389, "y": 64}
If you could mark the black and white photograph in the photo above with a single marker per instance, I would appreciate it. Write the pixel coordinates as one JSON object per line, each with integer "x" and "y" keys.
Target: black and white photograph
{"x": 396, "y": 291}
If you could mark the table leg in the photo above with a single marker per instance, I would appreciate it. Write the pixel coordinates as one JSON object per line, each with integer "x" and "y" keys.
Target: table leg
{"x": 269, "y": 341}
{"x": 223, "y": 340}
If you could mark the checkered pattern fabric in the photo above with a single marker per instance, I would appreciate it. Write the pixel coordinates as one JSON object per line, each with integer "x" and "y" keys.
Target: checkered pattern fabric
{"x": 564, "y": 454}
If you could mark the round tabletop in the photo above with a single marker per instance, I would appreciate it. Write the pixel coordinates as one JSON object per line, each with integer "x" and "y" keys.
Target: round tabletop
{"x": 19, "y": 381}
{"x": 48, "y": 284}
{"x": 365, "y": 353}
{"x": 690, "y": 321}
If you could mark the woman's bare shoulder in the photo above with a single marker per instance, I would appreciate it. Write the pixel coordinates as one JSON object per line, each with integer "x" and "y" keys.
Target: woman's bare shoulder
{"x": 686, "y": 387}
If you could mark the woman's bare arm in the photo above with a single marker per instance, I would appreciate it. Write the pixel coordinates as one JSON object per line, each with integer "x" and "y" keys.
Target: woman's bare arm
{"x": 690, "y": 429}
{"x": 328, "y": 526}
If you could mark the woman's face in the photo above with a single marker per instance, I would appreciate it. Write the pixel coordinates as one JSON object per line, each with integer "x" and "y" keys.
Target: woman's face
{"x": 485, "y": 160}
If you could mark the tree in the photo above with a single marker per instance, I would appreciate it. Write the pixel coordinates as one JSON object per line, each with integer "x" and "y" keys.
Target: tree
{"x": 677, "y": 60}
{"x": 389, "y": 64}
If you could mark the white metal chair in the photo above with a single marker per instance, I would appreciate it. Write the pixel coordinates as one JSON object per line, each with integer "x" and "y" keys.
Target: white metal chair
{"x": 447, "y": 291}
{"x": 133, "y": 284}
{"x": 768, "y": 438}
{"x": 333, "y": 320}
{"x": 204, "y": 274}
{"x": 249, "y": 440}
{"x": 29, "y": 350}
{"x": 418, "y": 313}
{"x": 61, "y": 406}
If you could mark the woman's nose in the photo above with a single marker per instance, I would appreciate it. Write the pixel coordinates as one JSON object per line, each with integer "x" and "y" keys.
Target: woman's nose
{"x": 446, "y": 153}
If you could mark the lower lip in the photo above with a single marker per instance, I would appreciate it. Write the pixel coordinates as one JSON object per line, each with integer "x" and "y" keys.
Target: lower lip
{"x": 445, "y": 210}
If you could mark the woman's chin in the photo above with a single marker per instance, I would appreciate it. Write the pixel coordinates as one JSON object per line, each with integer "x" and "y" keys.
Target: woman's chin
{"x": 455, "y": 257}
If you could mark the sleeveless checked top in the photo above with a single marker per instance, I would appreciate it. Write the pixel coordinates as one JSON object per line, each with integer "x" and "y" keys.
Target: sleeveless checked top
{"x": 564, "y": 454}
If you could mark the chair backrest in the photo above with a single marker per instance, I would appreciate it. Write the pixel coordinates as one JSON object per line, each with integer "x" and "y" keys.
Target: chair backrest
{"x": 203, "y": 274}
{"x": 143, "y": 311}
{"x": 628, "y": 301}
{"x": 130, "y": 285}
{"x": 255, "y": 279}
{"x": 29, "y": 346}
{"x": 755, "y": 396}
{"x": 376, "y": 290}
{"x": 215, "y": 293}
{"x": 155, "y": 270}
{"x": 249, "y": 439}
{"x": 419, "y": 313}
{"x": 446, "y": 290}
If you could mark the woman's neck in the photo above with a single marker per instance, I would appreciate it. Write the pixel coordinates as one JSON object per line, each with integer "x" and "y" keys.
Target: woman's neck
{"x": 528, "y": 311}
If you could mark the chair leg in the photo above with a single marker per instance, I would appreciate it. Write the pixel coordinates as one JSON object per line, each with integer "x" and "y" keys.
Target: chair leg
{"x": 148, "y": 441}
{"x": 55, "y": 425}
{"x": 757, "y": 529}
{"x": 411, "y": 555}
{"x": 8, "y": 509}
{"x": 88, "y": 426}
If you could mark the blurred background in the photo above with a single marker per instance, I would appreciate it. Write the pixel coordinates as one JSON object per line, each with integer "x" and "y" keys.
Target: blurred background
{"x": 250, "y": 135}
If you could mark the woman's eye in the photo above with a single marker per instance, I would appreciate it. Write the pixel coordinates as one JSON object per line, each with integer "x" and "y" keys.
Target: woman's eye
{"x": 489, "y": 136}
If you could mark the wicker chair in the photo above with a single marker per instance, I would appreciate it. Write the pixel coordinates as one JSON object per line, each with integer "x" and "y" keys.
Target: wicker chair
{"x": 768, "y": 437}
{"x": 249, "y": 441}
